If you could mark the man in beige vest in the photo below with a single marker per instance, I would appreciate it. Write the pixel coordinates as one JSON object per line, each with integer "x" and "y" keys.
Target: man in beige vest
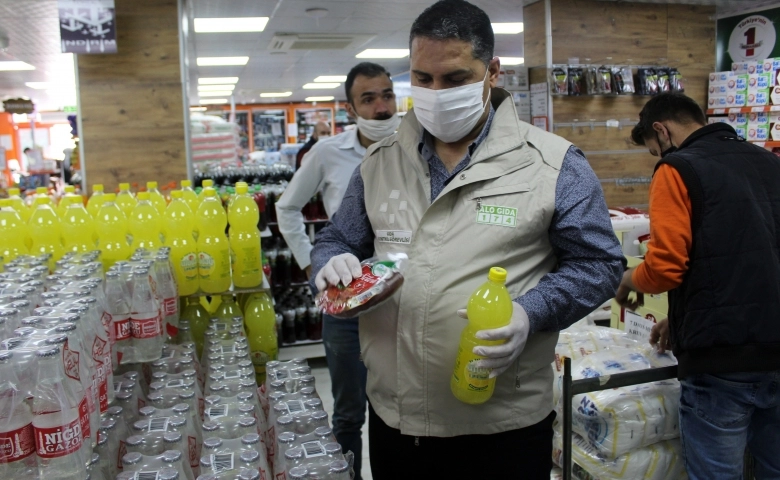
{"x": 424, "y": 192}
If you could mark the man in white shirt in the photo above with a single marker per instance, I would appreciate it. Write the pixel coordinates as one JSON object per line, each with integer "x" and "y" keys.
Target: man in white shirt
{"x": 327, "y": 169}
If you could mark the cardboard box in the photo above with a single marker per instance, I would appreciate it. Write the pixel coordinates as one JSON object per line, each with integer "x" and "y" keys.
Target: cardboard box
{"x": 752, "y": 66}
{"x": 716, "y": 101}
{"x": 774, "y": 126}
{"x": 738, "y": 119}
{"x": 741, "y": 131}
{"x": 775, "y": 95}
{"x": 737, "y": 83}
{"x": 758, "y": 127}
{"x": 719, "y": 78}
{"x": 736, "y": 99}
{"x": 759, "y": 81}
{"x": 757, "y": 97}
{"x": 739, "y": 67}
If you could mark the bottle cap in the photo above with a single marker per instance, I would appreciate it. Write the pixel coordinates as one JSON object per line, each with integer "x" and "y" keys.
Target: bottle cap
{"x": 241, "y": 189}
{"x": 110, "y": 197}
{"x": 209, "y": 192}
{"x": 151, "y": 185}
{"x": 497, "y": 274}
{"x": 207, "y": 183}
{"x": 42, "y": 190}
{"x": 186, "y": 183}
{"x": 143, "y": 196}
{"x": 124, "y": 186}
{"x": 98, "y": 187}
{"x": 177, "y": 194}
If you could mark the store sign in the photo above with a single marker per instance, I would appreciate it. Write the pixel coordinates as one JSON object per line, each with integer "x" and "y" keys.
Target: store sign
{"x": 87, "y": 26}
{"x": 18, "y": 105}
{"x": 747, "y": 37}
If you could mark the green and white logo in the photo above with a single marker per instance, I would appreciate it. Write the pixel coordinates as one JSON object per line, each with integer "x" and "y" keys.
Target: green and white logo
{"x": 497, "y": 215}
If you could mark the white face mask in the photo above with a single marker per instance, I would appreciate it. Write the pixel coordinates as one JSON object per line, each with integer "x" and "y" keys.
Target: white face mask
{"x": 376, "y": 130}
{"x": 322, "y": 137}
{"x": 452, "y": 113}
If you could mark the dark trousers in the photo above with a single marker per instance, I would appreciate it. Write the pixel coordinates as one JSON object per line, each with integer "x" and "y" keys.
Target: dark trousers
{"x": 517, "y": 454}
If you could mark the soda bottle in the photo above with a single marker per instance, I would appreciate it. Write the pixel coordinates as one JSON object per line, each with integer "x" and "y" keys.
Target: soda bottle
{"x": 208, "y": 183}
{"x": 97, "y": 200}
{"x": 13, "y": 232}
{"x": 156, "y": 197}
{"x": 46, "y": 232}
{"x": 167, "y": 287}
{"x": 111, "y": 226}
{"x": 490, "y": 306}
{"x": 67, "y": 199}
{"x": 145, "y": 224}
{"x": 145, "y": 321}
{"x": 56, "y": 423}
{"x": 189, "y": 195}
{"x": 178, "y": 220}
{"x": 125, "y": 199}
{"x": 198, "y": 318}
{"x": 40, "y": 193}
{"x": 243, "y": 216}
{"x": 260, "y": 325}
{"x": 78, "y": 229}
{"x": 228, "y": 309}
{"x": 16, "y": 430}
{"x": 213, "y": 248}
{"x": 18, "y": 204}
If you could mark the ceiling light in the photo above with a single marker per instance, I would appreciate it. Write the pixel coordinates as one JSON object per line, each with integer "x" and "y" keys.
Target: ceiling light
{"x": 318, "y": 86}
{"x": 220, "y": 93}
{"x": 275, "y": 94}
{"x": 198, "y": 109}
{"x": 216, "y": 80}
{"x": 216, "y": 61}
{"x": 383, "y": 53}
{"x": 511, "y": 60}
{"x": 38, "y": 85}
{"x": 507, "y": 28}
{"x": 319, "y": 99}
{"x": 331, "y": 78}
{"x": 7, "y": 66}
{"x": 213, "y": 101}
{"x": 229, "y": 25}
{"x": 206, "y": 88}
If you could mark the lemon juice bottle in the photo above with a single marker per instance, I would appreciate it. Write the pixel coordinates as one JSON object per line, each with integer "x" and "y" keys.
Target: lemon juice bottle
{"x": 13, "y": 232}
{"x": 213, "y": 248}
{"x": 111, "y": 226}
{"x": 228, "y": 309}
{"x": 18, "y": 204}
{"x": 189, "y": 195}
{"x": 97, "y": 200}
{"x": 78, "y": 228}
{"x": 157, "y": 198}
{"x": 245, "y": 239}
{"x": 198, "y": 317}
{"x": 260, "y": 326}
{"x": 490, "y": 306}
{"x": 125, "y": 199}
{"x": 46, "y": 231}
{"x": 145, "y": 224}
{"x": 208, "y": 183}
{"x": 178, "y": 220}
{"x": 68, "y": 198}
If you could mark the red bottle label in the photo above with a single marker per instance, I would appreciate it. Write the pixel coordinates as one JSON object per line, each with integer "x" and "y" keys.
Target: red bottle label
{"x": 70, "y": 359}
{"x": 17, "y": 444}
{"x": 171, "y": 306}
{"x": 122, "y": 328}
{"x": 103, "y": 395}
{"x": 58, "y": 441}
{"x": 84, "y": 418}
{"x": 193, "y": 451}
{"x": 145, "y": 327}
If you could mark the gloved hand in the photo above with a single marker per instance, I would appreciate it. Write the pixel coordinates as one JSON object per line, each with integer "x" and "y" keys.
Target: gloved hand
{"x": 499, "y": 357}
{"x": 341, "y": 268}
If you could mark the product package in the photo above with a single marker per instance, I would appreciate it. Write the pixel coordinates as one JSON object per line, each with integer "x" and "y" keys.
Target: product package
{"x": 576, "y": 82}
{"x": 664, "y": 84}
{"x": 676, "y": 80}
{"x": 648, "y": 81}
{"x": 382, "y": 276}
{"x": 559, "y": 82}
{"x": 622, "y": 81}
{"x": 604, "y": 80}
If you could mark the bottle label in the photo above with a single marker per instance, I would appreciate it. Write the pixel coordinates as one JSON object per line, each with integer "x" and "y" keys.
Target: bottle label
{"x": 192, "y": 446}
{"x": 189, "y": 266}
{"x": 142, "y": 325}
{"x": 106, "y": 320}
{"x": 171, "y": 306}
{"x": 121, "y": 327}
{"x": 103, "y": 395}
{"x": 313, "y": 449}
{"x": 121, "y": 452}
{"x": 84, "y": 418}
{"x": 17, "y": 444}
{"x": 205, "y": 265}
{"x": 477, "y": 379}
{"x": 58, "y": 441}
{"x": 222, "y": 462}
{"x": 70, "y": 360}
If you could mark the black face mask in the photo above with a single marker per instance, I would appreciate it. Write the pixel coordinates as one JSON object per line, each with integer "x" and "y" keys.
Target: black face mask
{"x": 666, "y": 152}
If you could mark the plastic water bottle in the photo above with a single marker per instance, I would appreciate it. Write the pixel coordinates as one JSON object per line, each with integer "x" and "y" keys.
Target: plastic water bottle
{"x": 178, "y": 220}
{"x": 145, "y": 321}
{"x": 125, "y": 199}
{"x": 490, "y": 306}
{"x": 156, "y": 197}
{"x": 111, "y": 225}
{"x": 118, "y": 311}
{"x": 213, "y": 248}
{"x": 46, "y": 232}
{"x": 78, "y": 229}
{"x": 167, "y": 289}
{"x": 17, "y": 459}
{"x": 145, "y": 224}
{"x": 97, "y": 200}
{"x": 13, "y": 232}
{"x": 243, "y": 216}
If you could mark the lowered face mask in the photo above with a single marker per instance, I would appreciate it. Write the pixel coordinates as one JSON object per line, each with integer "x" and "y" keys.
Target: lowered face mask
{"x": 376, "y": 130}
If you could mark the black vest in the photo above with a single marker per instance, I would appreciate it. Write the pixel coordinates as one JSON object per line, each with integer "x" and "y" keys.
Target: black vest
{"x": 725, "y": 317}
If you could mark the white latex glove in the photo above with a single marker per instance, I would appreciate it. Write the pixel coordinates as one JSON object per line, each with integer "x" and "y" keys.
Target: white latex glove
{"x": 341, "y": 268}
{"x": 499, "y": 357}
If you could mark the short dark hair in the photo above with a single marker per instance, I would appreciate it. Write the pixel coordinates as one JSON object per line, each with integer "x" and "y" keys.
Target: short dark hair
{"x": 674, "y": 107}
{"x": 458, "y": 19}
{"x": 27, "y": 150}
{"x": 367, "y": 69}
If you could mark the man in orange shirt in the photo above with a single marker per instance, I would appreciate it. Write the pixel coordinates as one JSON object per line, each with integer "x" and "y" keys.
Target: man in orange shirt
{"x": 715, "y": 247}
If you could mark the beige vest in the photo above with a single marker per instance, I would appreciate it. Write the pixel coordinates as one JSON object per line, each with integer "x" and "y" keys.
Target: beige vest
{"x": 409, "y": 344}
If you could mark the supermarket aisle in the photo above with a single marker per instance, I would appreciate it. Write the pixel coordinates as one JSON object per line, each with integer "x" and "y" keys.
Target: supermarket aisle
{"x": 322, "y": 380}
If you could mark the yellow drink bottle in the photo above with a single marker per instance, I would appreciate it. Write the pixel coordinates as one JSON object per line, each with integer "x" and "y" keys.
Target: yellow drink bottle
{"x": 68, "y": 198}
{"x": 46, "y": 231}
{"x": 490, "y": 306}
{"x": 178, "y": 220}
{"x": 213, "y": 247}
{"x": 111, "y": 226}
{"x": 199, "y": 321}
{"x": 245, "y": 240}
{"x": 78, "y": 229}
{"x": 96, "y": 201}
{"x": 145, "y": 224}
{"x": 206, "y": 184}
{"x": 260, "y": 326}
{"x": 189, "y": 195}
{"x": 125, "y": 199}
{"x": 157, "y": 198}
{"x": 17, "y": 202}
{"x": 13, "y": 232}
{"x": 228, "y": 309}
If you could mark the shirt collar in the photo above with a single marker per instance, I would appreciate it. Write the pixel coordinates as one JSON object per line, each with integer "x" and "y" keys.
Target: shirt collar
{"x": 352, "y": 141}
{"x": 427, "y": 150}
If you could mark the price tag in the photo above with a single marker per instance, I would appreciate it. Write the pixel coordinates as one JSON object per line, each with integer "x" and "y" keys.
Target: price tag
{"x": 637, "y": 326}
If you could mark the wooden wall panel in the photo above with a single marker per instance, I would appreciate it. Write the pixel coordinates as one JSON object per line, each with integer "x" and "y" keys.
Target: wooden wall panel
{"x": 534, "y": 50}
{"x": 131, "y": 102}
{"x": 691, "y": 46}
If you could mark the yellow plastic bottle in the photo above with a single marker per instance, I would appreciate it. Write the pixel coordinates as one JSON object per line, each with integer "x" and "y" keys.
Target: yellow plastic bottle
{"x": 189, "y": 195}
{"x": 228, "y": 308}
{"x": 157, "y": 198}
{"x": 111, "y": 226}
{"x": 490, "y": 306}
{"x": 198, "y": 317}
{"x": 96, "y": 201}
{"x": 40, "y": 194}
{"x": 125, "y": 199}
{"x": 206, "y": 184}
{"x": 260, "y": 326}
{"x": 46, "y": 231}
{"x": 245, "y": 239}
{"x": 178, "y": 220}
{"x": 78, "y": 229}
{"x": 13, "y": 232}
{"x": 68, "y": 198}
{"x": 17, "y": 202}
{"x": 213, "y": 247}
{"x": 145, "y": 224}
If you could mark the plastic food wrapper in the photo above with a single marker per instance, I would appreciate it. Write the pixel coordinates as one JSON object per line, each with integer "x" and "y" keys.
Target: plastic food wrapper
{"x": 382, "y": 276}
{"x": 660, "y": 461}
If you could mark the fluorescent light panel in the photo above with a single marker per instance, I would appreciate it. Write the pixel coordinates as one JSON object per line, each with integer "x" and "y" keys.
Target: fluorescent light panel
{"x": 198, "y": 109}
{"x": 319, "y": 86}
{"x": 11, "y": 65}
{"x": 216, "y": 80}
{"x": 213, "y": 101}
{"x": 319, "y": 99}
{"x": 206, "y": 88}
{"x": 220, "y": 93}
{"x": 330, "y": 78}
{"x": 507, "y": 28}
{"x": 275, "y": 94}
{"x": 383, "y": 53}
{"x": 512, "y": 60}
{"x": 230, "y": 25}
{"x": 221, "y": 61}
{"x": 38, "y": 85}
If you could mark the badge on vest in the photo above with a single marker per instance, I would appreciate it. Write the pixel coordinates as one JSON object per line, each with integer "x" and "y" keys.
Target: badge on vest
{"x": 497, "y": 215}
{"x": 394, "y": 236}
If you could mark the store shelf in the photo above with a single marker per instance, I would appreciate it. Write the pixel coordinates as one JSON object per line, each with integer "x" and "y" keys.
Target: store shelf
{"x": 263, "y": 287}
{"x": 309, "y": 349}
{"x": 726, "y": 111}
{"x": 767, "y": 144}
